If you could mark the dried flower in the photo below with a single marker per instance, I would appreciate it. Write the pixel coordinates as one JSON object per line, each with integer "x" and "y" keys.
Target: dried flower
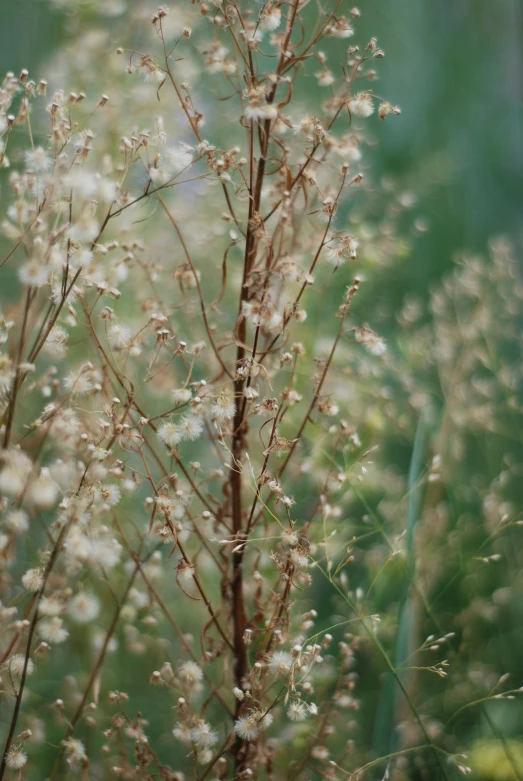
{"x": 84, "y": 608}
{"x": 16, "y": 758}
{"x": 247, "y": 727}
{"x": 16, "y": 666}
{"x": 361, "y": 105}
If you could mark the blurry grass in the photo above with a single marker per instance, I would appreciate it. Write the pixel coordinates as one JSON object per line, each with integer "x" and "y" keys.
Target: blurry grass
{"x": 366, "y": 624}
{"x": 385, "y": 733}
{"x": 493, "y": 761}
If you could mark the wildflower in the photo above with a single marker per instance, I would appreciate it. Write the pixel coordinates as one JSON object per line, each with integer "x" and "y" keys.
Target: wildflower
{"x": 16, "y": 665}
{"x": 281, "y": 662}
{"x": 247, "y": 727}
{"x": 139, "y": 598}
{"x": 74, "y": 750}
{"x": 84, "y": 608}
{"x": 16, "y": 758}
{"x": 263, "y": 314}
{"x": 190, "y": 673}
{"x": 37, "y": 159}
{"x": 325, "y": 78}
{"x": 191, "y": 426}
{"x": 289, "y": 536}
{"x": 336, "y": 256}
{"x": 4, "y": 330}
{"x": 204, "y": 756}
{"x": 250, "y": 393}
{"x": 374, "y": 343}
{"x": 53, "y": 631}
{"x": 289, "y": 270}
{"x": 99, "y": 453}
{"x": 151, "y": 71}
{"x": 384, "y": 109}
{"x": 78, "y": 383}
{"x": 275, "y": 486}
{"x": 85, "y": 228}
{"x": 56, "y": 342}
{"x": 328, "y": 210}
{"x": 119, "y": 336}
{"x": 170, "y": 434}
{"x": 17, "y": 521}
{"x": 350, "y": 245}
{"x": 33, "y": 274}
{"x": 184, "y": 571}
{"x": 157, "y": 173}
{"x": 107, "y": 190}
{"x": 279, "y": 446}
{"x": 266, "y": 720}
{"x": 43, "y": 492}
{"x": 133, "y": 731}
{"x": 182, "y": 395}
{"x": 299, "y": 560}
{"x": 266, "y": 407}
{"x": 223, "y": 408}
{"x": 354, "y": 439}
{"x": 99, "y": 639}
{"x": 183, "y": 733}
{"x": 104, "y": 551}
{"x": 13, "y": 477}
{"x": 328, "y": 407}
{"x": 347, "y": 148}
{"x": 177, "y": 158}
{"x": 50, "y": 606}
{"x": 362, "y": 105}
{"x": 270, "y": 18}
{"x": 297, "y": 711}
{"x": 111, "y": 494}
{"x": 81, "y": 257}
{"x": 258, "y": 109}
{"x": 341, "y": 28}
{"x": 203, "y": 735}
{"x": 33, "y": 580}
{"x": 252, "y": 34}
{"x": 216, "y": 57}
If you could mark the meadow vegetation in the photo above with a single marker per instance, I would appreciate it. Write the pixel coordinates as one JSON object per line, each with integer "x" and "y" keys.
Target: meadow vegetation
{"x": 250, "y": 525}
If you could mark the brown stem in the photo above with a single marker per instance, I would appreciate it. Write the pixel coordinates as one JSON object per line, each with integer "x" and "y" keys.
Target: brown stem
{"x": 17, "y": 635}
{"x": 16, "y": 382}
